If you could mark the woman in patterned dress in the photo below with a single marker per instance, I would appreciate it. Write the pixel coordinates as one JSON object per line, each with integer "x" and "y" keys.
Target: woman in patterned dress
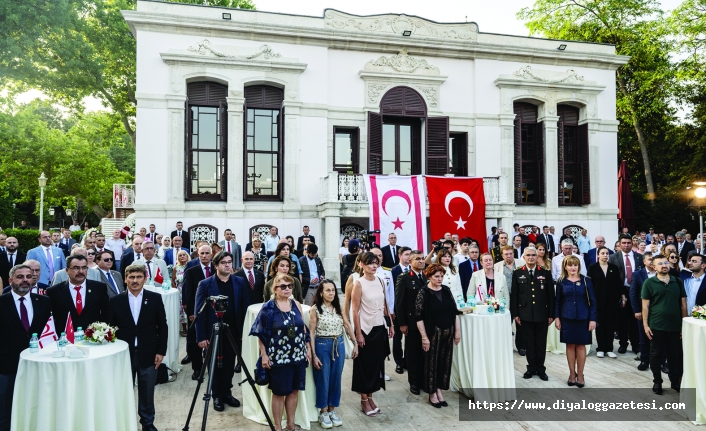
{"x": 283, "y": 338}
{"x": 178, "y": 282}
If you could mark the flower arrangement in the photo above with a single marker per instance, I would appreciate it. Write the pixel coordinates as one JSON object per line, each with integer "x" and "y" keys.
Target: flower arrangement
{"x": 493, "y": 302}
{"x": 699, "y": 312}
{"x": 100, "y": 332}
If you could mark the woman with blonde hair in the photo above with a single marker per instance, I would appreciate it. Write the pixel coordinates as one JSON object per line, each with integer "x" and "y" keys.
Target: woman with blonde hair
{"x": 178, "y": 282}
{"x": 282, "y": 265}
{"x": 576, "y": 316}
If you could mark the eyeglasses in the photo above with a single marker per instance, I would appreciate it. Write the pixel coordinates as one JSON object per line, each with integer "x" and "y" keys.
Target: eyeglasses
{"x": 661, "y": 264}
{"x": 285, "y": 286}
{"x": 225, "y": 262}
{"x": 107, "y": 259}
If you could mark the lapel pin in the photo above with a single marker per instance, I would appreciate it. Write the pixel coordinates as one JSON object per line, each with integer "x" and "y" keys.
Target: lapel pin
{"x": 89, "y": 290}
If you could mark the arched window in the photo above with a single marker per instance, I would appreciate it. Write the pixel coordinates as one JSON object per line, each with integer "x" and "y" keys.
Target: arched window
{"x": 264, "y": 143}
{"x": 206, "y": 141}
{"x": 573, "y": 167}
{"x": 529, "y": 155}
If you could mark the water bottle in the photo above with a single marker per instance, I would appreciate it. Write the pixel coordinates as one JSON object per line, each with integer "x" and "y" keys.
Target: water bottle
{"x": 34, "y": 344}
{"x": 78, "y": 335}
{"x": 62, "y": 341}
{"x": 166, "y": 284}
{"x": 459, "y": 301}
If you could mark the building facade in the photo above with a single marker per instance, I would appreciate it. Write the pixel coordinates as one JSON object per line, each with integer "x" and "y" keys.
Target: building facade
{"x": 265, "y": 119}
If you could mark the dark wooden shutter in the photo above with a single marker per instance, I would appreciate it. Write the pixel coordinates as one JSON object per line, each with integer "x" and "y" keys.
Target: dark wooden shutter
{"x": 374, "y": 143}
{"x": 541, "y": 192}
{"x": 583, "y": 154}
{"x": 206, "y": 93}
{"x": 518, "y": 160}
{"x": 187, "y": 151}
{"x": 280, "y": 159}
{"x": 437, "y": 146}
{"x": 461, "y": 140}
{"x": 403, "y": 101}
{"x": 560, "y": 162}
{"x": 355, "y": 150}
{"x": 223, "y": 111}
{"x": 264, "y": 96}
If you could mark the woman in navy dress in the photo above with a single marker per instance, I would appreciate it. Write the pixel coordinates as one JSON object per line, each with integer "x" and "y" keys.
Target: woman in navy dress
{"x": 575, "y": 316}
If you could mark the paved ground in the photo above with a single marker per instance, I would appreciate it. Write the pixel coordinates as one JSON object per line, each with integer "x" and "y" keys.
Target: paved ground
{"x": 404, "y": 411}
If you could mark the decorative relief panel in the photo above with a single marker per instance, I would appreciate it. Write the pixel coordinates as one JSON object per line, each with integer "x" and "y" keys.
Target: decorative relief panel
{"x": 204, "y": 48}
{"x": 403, "y": 63}
{"x": 549, "y": 76}
{"x": 397, "y": 24}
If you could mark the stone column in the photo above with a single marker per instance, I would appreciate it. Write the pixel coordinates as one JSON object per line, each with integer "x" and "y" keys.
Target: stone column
{"x": 236, "y": 162}
{"x": 551, "y": 158}
{"x": 291, "y": 156}
{"x": 176, "y": 154}
{"x": 332, "y": 224}
{"x": 507, "y": 158}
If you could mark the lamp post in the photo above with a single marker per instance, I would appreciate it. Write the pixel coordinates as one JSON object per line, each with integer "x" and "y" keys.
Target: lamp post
{"x": 14, "y": 206}
{"x": 42, "y": 183}
{"x": 700, "y": 194}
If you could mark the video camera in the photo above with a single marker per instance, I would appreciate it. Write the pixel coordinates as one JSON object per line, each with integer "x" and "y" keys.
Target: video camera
{"x": 368, "y": 237}
{"x": 438, "y": 245}
{"x": 219, "y": 303}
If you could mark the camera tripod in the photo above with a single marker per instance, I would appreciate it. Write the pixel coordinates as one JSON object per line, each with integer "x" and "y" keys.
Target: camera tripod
{"x": 216, "y": 344}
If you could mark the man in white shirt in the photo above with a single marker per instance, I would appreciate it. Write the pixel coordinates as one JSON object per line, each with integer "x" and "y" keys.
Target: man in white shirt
{"x": 117, "y": 246}
{"x": 271, "y": 242}
{"x": 463, "y": 255}
{"x": 693, "y": 281}
{"x": 74, "y": 227}
{"x": 566, "y": 250}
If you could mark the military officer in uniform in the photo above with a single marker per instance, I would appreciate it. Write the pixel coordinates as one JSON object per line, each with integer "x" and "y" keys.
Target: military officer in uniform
{"x": 497, "y": 252}
{"x": 532, "y": 307}
{"x": 406, "y": 290}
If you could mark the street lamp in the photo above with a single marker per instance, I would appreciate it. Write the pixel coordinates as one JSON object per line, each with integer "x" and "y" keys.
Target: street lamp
{"x": 700, "y": 202}
{"x": 42, "y": 183}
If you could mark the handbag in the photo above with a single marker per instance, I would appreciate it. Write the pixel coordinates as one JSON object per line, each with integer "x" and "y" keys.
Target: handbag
{"x": 262, "y": 374}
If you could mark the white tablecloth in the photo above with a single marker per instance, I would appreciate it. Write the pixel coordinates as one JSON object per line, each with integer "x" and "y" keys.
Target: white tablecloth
{"x": 693, "y": 334}
{"x": 554, "y": 345}
{"x": 172, "y": 307}
{"x": 483, "y": 358}
{"x": 91, "y": 393}
{"x": 306, "y": 409}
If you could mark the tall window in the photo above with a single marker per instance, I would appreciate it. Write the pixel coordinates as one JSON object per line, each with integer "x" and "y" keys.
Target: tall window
{"x": 529, "y": 156}
{"x": 206, "y": 142}
{"x": 264, "y": 121}
{"x": 397, "y": 143}
{"x": 573, "y": 168}
{"x": 345, "y": 149}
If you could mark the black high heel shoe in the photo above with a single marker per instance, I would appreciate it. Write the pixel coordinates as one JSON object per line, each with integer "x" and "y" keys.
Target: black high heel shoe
{"x": 580, "y": 385}
{"x": 436, "y": 405}
{"x": 570, "y": 383}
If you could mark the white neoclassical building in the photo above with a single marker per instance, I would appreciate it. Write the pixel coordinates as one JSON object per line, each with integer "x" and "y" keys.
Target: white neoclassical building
{"x": 270, "y": 119}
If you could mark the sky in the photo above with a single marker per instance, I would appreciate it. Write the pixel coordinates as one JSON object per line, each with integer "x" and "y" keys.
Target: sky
{"x": 491, "y": 17}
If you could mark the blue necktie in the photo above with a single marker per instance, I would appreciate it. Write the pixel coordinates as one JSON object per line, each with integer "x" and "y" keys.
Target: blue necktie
{"x": 112, "y": 283}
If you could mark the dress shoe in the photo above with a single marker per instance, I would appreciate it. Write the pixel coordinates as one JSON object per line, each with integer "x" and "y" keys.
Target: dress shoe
{"x": 544, "y": 376}
{"x": 436, "y": 405}
{"x": 445, "y": 404}
{"x": 676, "y": 387}
{"x": 186, "y": 360}
{"x": 527, "y": 375}
{"x": 657, "y": 388}
{"x": 522, "y": 352}
{"x": 218, "y": 405}
{"x": 148, "y": 428}
{"x": 399, "y": 369}
{"x": 231, "y": 401}
{"x": 237, "y": 368}
{"x": 665, "y": 369}
{"x": 644, "y": 366}
{"x": 414, "y": 389}
{"x": 195, "y": 376}
{"x": 622, "y": 350}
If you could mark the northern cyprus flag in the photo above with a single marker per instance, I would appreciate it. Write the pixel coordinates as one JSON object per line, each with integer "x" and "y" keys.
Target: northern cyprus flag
{"x": 48, "y": 336}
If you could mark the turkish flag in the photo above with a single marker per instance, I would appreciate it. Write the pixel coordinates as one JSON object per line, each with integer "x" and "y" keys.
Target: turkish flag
{"x": 69, "y": 330}
{"x": 159, "y": 278}
{"x": 457, "y": 206}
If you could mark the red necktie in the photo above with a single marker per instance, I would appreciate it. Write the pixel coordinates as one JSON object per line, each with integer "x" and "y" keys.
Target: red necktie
{"x": 228, "y": 246}
{"x": 208, "y": 271}
{"x": 475, "y": 268}
{"x": 23, "y": 314}
{"x": 628, "y": 269}
{"x": 79, "y": 301}
{"x": 251, "y": 280}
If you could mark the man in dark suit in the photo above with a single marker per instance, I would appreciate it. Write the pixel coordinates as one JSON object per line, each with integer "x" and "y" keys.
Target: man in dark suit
{"x": 254, "y": 279}
{"x": 521, "y": 233}
{"x": 131, "y": 254}
{"x": 184, "y": 234}
{"x": 694, "y": 281}
{"x": 467, "y": 268}
{"x": 406, "y": 289}
{"x": 638, "y": 279}
{"x": 231, "y": 246}
{"x": 628, "y": 263}
{"x": 397, "y": 270}
{"x": 300, "y": 240}
{"x": 152, "y": 234}
{"x": 192, "y": 277}
{"x": 532, "y": 307}
{"x": 9, "y": 258}
{"x": 548, "y": 240}
{"x": 226, "y": 284}
{"x": 66, "y": 242}
{"x": 112, "y": 279}
{"x": 310, "y": 262}
{"x": 142, "y": 323}
{"x": 683, "y": 247}
{"x": 591, "y": 257}
{"x": 21, "y": 314}
{"x": 86, "y": 300}
{"x": 389, "y": 252}
{"x": 36, "y": 287}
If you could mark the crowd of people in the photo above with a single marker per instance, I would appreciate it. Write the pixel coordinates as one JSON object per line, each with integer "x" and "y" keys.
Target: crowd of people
{"x": 636, "y": 293}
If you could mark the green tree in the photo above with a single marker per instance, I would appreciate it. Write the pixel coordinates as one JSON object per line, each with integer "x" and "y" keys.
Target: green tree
{"x": 636, "y": 29}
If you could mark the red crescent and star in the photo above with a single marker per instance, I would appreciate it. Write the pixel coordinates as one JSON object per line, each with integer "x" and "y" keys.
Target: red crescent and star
{"x": 396, "y": 193}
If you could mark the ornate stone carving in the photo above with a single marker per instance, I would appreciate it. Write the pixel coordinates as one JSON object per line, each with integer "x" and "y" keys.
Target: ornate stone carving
{"x": 431, "y": 94}
{"x": 237, "y": 93}
{"x": 202, "y": 232}
{"x": 549, "y": 77}
{"x": 204, "y": 48}
{"x": 374, "y": 91}
{"x": 397, "y": 24}
{"x": 403, "y": 63}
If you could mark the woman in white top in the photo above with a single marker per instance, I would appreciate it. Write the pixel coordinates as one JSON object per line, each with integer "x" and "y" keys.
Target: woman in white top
{"x": 343, "y": 251}
{"x": 489, "y": 282}
{"x": 451, "y": 277}
{"x": 166, "y": 245}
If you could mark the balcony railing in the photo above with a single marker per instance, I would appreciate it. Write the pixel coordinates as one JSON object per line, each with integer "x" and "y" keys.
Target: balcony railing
{"x": 338, "y": 187}
{"x": 123, "y": 196}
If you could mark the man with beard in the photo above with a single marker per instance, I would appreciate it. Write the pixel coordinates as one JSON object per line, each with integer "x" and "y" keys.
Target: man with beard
{"x": 21, "y": 314}
{"x": 11, "y": 257}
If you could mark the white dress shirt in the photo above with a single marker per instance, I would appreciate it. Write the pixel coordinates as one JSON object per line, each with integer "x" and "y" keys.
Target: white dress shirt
{"x": 692, "y": 286}
{"x": 135, "y": 306}
{"x": 73, "y": 292}
{"x": 28, "y": 305}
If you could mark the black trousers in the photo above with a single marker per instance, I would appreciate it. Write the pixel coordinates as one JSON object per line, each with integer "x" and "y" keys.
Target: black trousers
{"x": 397, "y": 353}
{"x": 193, "y": 349}
{"x": 146, "y": 380}
{"x": 535, "y": 336}
{"x": 669, "y": 343}
{"x": 414, "y": 357}
{"x": 627, "y": 330}
{"x": 519, "y": 338}
{"x": 605, "y": 328}
{"x": 7, "y": 387}
{"x": 223, "y": 376}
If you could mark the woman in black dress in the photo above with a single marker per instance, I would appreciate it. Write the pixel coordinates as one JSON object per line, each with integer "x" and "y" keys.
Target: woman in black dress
{"x": 575, "y": 316}
{"x": 437, "y": 320}
{"x": 608, "y": 288}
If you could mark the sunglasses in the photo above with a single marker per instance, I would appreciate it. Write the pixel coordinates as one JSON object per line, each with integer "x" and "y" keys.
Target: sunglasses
{"x": 285, "y": 286}
{"x": 673, "y": 257}
{"x": 107, "y": 259}
{"x": 91, "y": 254}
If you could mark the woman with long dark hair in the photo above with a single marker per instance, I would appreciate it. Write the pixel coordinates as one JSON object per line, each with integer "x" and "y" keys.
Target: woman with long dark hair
{"x": 282, "y": 265}
{"x": 608, "y": 287}
{"x": 327, "y": 324}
